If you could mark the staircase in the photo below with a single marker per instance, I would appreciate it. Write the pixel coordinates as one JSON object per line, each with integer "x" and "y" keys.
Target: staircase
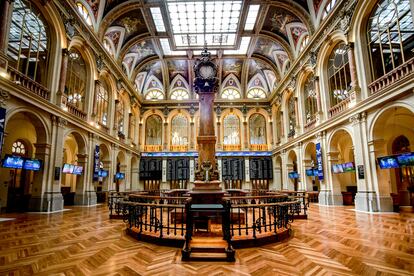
{"x": 213, "y": 249}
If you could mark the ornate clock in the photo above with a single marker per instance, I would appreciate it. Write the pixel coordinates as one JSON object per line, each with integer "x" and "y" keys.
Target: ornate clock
{"x": 205, "y": 71}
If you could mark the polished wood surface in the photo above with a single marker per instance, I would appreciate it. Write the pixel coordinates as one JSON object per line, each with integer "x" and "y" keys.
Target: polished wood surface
{"x": 83, "y": 241}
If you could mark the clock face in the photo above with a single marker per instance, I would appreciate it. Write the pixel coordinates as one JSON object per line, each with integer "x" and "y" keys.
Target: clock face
{"x": 206, "y": 72}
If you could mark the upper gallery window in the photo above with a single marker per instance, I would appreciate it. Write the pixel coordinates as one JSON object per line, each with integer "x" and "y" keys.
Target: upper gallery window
{"x": 18, "y": 148}
{"x": 390, "y": 36}
{"x": 75, "y": 79}
{"x": 230, "y": 94}
{"x": 102, "y": 103}
{"x": 310, "y": 98}
{"x": 180, "y": 94}
{"x": 291, "y": 115}
{"x": 28, "y": 41}
{"x": 256, "y": 93}
{"x": 120, "y": 111}
{"x": 179, "y": 130}
{"x": 154, "y": 95}
{"x": 339, "y": 74}
{"x": 257, "y": 124}
{"x": 153, "y": 130}
{"x": 84, "y": 13}
{"x": 231, "y": 130}
{"x": 328, "y": 8}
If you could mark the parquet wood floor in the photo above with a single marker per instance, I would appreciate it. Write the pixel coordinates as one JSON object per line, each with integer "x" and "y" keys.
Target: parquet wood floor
{"x": 83, "y": 241}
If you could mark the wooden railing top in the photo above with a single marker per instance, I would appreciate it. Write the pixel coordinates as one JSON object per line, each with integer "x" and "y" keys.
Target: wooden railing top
{"x": 264, "y": 204}
{"x": 132, "y": 203}
{"x": 254, "y": 197}
{"x": 158, "y": 197}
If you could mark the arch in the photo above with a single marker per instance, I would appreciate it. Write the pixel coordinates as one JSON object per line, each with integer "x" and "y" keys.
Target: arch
{"x": 85, "y": 11}
{"x": 296, "y": 31}
{"x": 80, "y": 139}
{"x": 111, "y": 34}
{"x": 179, "y": 82}
{"x": 336, "y": 132}
{"x": 40, "y": 123}
{"x": 232, "y": 138}
{"x": 233, "y": 86}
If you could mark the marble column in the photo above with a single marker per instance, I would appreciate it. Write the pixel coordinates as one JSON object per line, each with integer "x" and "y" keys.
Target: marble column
{"x": 352, "y": 66}
{"x": 165, "y": 145}
{"x": 192, "y": 134}
{"x": 82, "y": 193}
{"x": 62, "y": 77}
{"x": 219, "y": 139}
{"x": 245, "y": 134}
{"x": 319, "y": 113}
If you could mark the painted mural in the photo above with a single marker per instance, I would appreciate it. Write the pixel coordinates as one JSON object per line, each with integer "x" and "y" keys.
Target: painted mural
{"x": 178, "y": 66}
{"x": 133, "y": 22}
{"x": 232, "y": 66}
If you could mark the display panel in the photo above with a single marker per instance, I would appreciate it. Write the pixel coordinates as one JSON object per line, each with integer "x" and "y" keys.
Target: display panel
{"x": 32, "y": 164}
{"x": 348, "y": 167}
{"x": 13, "y": 162}
{"x": 293, "y": 175}
{"x": 310, "y": 172}
{"x": 337, "y": 168}
{"x": 406, "y": 159}
{"x": 119, "y": 175}
{"x": 68, "y": 168}
{"x": 388, "y": 162}
{"x": 77, "y": 170}
{"x": 103, "y": 173}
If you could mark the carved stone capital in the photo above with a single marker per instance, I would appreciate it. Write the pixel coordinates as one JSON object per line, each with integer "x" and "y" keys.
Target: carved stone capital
{"x": 357, "y": 118}
{"x": 62, "y": 122}
{"x": 4, "y": 96}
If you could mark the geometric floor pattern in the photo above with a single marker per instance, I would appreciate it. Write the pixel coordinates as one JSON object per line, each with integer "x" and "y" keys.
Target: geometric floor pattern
{"x": 83, "y": 241}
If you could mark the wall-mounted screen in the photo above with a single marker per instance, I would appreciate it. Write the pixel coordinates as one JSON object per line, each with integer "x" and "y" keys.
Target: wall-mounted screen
{"x": 388, "y": 162}
{"x": 309, "y": 172}
{"x": 13, "y": 162}
{"x": 68, "y": 168}
{"x": 293, "y": 175}
{"x": 337, "y": 168}
{"x": 103, "y": 173}
{"x": 406, "y": 159}
{"x": 32, "y": 164}
{"x": 120, "y": 175}
{"x": 77, "y": 170}
{"x": 348, "y": 167}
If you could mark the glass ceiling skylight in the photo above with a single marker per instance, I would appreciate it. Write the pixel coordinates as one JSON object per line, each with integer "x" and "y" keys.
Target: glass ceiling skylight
{"x": 157, "y": 17}
{"x": 244, "y": 46}
{"x": 167, "y": 49}
{"x": 251, "y": 17}
{"x": 195, "y": 23}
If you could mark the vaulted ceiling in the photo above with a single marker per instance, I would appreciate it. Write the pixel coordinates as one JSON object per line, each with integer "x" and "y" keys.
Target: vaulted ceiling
{"x": 158, "y": 39}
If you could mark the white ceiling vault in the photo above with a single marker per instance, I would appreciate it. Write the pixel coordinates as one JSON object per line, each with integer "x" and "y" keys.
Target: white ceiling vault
{"x": 159, "y": 39}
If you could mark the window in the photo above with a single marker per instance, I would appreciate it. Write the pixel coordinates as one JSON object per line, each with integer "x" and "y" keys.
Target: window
{"x": 179, "y": 130}
{"x": 180, "y": 94}
{"x": 310, "y": 98}
{"x": 291, "y": 115}
{"x": 84, "y": 13}
{"x": 390, "y": 36}
{"x": 257, "y": 125}
{"x": 18, "y": 148}
{"x": 153, "y": 130}
{"x": 328, "y": 8}
{"x": 256, "y": 93}
{"x": 230, "y": 94}
{"x": 102, "y": 100}
{"x": 154, "y": 95}
{"x": 28, "y": 42}
{"x": 231, "y": 133}
{"x": 304, "y": 42}
{"x": 120, "y": 112}
{"x": 76, "y": 79}
{"x": 339, "y": 75}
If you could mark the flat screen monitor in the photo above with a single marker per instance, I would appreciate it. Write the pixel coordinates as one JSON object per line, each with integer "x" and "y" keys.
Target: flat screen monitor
{"x": 337, "y": 168}
{"x": 293, "y": 175}
{"x": 315, "y": 172}
{"x": 103, "y": 173}
{"x": 32, "y": 164}
{"x": 309, "y": 172}
{"x": 348, "y": 167}
{"x": 77, "y": 170}
{"x": 13, "y": 162}
{"x": 406, "y": 159}
{"x": 68, "y": 168}
{"x": 120, "y": 175}
{"x": 388, "y": 162}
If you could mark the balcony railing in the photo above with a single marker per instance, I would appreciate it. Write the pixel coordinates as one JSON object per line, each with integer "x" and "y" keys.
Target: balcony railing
{"x": 179, "y": 148}
{"x": 155, "y": 148}
{"x": 311, "y": 124}
{"x": 231, "y": 147}
{"x": 28, "y": 83}
{"x": 258, "y": 147}
{"x": 343, "y": 105}
{"x": 395, "y": 75}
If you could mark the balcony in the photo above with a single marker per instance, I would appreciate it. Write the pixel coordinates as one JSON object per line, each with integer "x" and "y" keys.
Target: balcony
{"x": 311, "y": 124}
{"x": 343, "y": 105}
{"x": 401, "y": 72}
{"x": 259, "y": 147}
{"x": 179, "y": 148}
{"x": 232, "y": 147}
{"x": 153, "y": 148}
{"x": 28, "y": 83}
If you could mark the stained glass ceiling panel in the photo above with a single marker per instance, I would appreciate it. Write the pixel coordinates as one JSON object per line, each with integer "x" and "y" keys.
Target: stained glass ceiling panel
{"x": 196, "y": 23}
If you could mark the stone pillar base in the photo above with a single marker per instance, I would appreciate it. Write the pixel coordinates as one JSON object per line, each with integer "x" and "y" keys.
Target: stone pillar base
{"x": 385, "y": 204}
{"x": 88, "y": 198}
{"x": 326, "y": 197}
{"x": 367, "y": 201}
{"x": 48, "y": 202}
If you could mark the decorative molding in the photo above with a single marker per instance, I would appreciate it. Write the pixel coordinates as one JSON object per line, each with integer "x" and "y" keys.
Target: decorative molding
{"x": 4, "y": 97}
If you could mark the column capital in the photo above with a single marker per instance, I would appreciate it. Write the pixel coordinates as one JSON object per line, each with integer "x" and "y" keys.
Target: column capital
{"x": 358, "y": 118}
{"x": 4, "y": 96}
